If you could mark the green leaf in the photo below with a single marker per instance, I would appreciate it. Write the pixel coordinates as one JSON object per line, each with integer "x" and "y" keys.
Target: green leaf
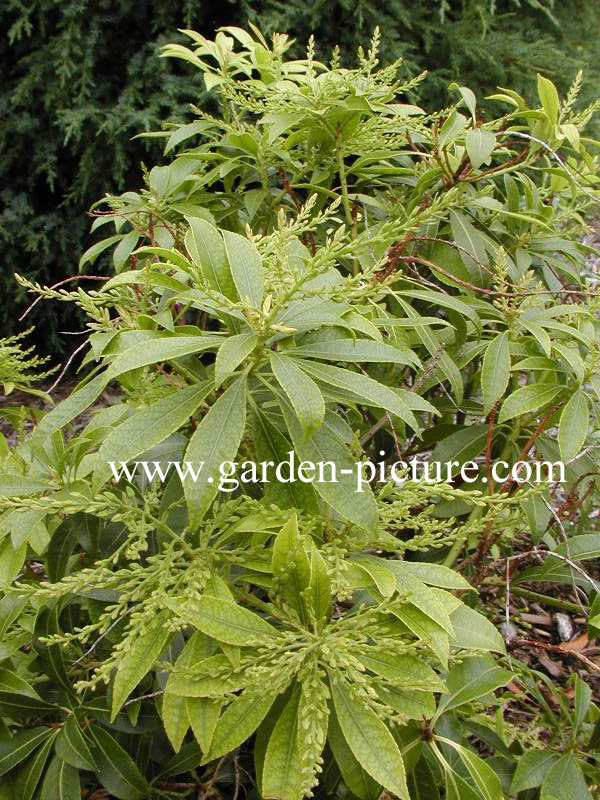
{"x": 528, "y": 399}
{"x": 61, "y": 782}
{"x": 320, "y": 585}
{"x": 246, "y": 267}
{"x": 138, "y": 659}
{"x": 231, "y": 354}
{"x": 72, "y": 747}
{"x": 356, "y": 779}
{"x": 573, "y": 426}
{"x": 291, "y": 567}
{"x": 148, "y": 427}
{"x": 433, "y": 574}
{"x": 495, "y": 372}
{"x": 480, "y": 146}
{"x": 282, "y": 769}
{"x": 472, "y": 248}
{"x": 239, "y": 721}
{"x": 215, "y": 441}
{"x": 472, "y": 679}
{"x": 474, "y": 631}
{"x": 16, "y": 749}
{"x": 324, "y": 446}
{"x": 532, "y": 768}
{"x": 203, "y": 714}
{"x": 363, "y": 389}
{"x": 117, "y": 771}
{"x": 356, "y": 351}
{"x": 21, "y": 486}
{"x": 74, "y": 405}
{"x": 174, "y": 710}
{"x": 302, "y": 392}
{"x": 28, "y": 777}
{"x": 370, "y": 741}
{"x": 163, "y": 349}
{"x": 549, "y": 98}
{"x": 205, "y": 246}
{"x": 564, "y": 781}
{"x": 426, "y": 629}
{"x": 461, "y": 446}
{"x": 92, "y": 253}
{"x": 482, "y": 774}
{"x": 223, "y": 620}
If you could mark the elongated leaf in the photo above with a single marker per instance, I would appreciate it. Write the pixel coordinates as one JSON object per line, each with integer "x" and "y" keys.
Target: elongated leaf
{"x": 302, "y": 392}
{"x": 495, "y": 372}
{"x": 239, "y": 721}
{"x": 203, "y": 714}
{"x": 15, "y": 750}
{"x": 357, "y": 351}
{"x": 215, "y": 441}
{"x": 231, "y": 354}
{"x": 164, "y": 349}
{"x": 118, "y": 772}
{"x": 139, "y": 660}
{"x": 460, "y": 447}
{"x": 30, "y": 773}
{"x": 148, "y": 427}
{"x": 74, "y": 405}
{"x": 474, "y": 631}
{"x": 573, "y": 426}
{"x": 528, "y": 399}
{"x": 471, "y": 680}
{"x": 480, "y": 146}
{"x": 472, "y": 248}
{"x": 432, "y": 574}
{"x": 224, "y": 620}
{"x": 549, "y": 98}
{"x": 205, "y": 246}
{"x": 282, "y": 769}
{"x": 531, "y": 770}
{"x": 61, "y": 782}
{"x": 320, "y": 585}
{"x": 325, "y": 446}
{"x": 482, "y": 774}
{"x": 291, "y": 567}
{"x": 564, "y": 781}
{"x": 355, "y": 777}
{"x": 366, "y": 389}
{"x": 72, "y": 746}
{"x": 246, "y": 267}
{"x": 370, "y": 741}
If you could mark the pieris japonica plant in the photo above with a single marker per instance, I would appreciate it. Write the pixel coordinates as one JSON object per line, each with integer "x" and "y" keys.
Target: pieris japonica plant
{"x": 322, "y": 270}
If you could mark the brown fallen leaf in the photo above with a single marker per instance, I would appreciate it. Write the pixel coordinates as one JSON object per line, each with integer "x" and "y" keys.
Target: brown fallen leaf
{"x": 577, "y": 644}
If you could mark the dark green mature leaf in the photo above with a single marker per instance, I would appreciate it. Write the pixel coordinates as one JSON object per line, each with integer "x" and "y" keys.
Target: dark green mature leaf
{"x": 573, "y": 426}
{"x": 282, "y": 768}
{"x": 355, "y": 777}
{"x": 61, "y": 782}
{"x": 72, "y": 746}
{"x": 470, "y": 680}
{"x": 528, "y": 399}
{"x": 565, "y": 781}
{"x": 239, "y": 721}
{"x": 356, "y": 351}
{"x": 495, "y": 372}
{"x": 14, "y": 750}
{"x": 532, "y": 767}
{"x": 117, "y": 771}
{"x": 30, "y": 773}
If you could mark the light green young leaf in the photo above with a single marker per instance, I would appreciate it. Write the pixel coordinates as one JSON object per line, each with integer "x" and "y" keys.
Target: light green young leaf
{"x": 302, "y": 392}
{"x": 370, "y": 741}
{"x": 205, "y": 245}
{"x": 291, "y": 567}
{"x": 356, "y": 779}
{"x": 549, "y": 98}
{"x": 495, "y": 372}
{"x": 573, "y": 426}
{"x": 164, "y": 349}
{"x": 139, "y": 659}
{"x": 320, "y": 585}
{"x": 73, "y": 405}
{"x": 231, "y": 354}
{"x": 426, "y": 629}
{"x": 472, "y": 248}
{"x": 480, "y": 146}
{"x": 246, "y": 267}
{"x": 432, "y": 574}
{"x": 215, "y": 441}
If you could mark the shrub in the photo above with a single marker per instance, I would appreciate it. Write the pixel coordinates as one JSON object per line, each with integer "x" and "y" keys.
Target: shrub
{"x": 327, "y": 272}
{"x": 74, "y": 95}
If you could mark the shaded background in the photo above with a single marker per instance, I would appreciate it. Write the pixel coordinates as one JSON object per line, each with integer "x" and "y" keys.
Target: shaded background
{"x": 81, "y": 77}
